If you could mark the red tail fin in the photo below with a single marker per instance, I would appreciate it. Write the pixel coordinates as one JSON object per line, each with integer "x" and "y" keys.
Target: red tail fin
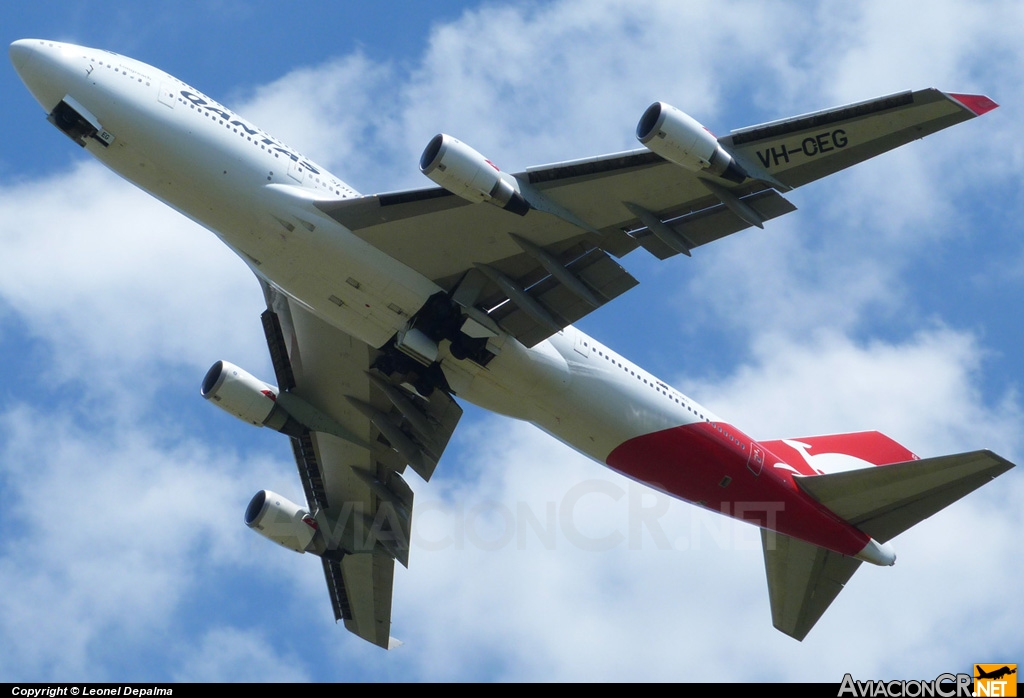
{"x": 839, "y": 452}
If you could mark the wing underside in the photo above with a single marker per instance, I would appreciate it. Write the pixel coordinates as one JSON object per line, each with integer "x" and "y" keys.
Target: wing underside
{"x": 351, "y": 456}
{"x": 531, "y": 275}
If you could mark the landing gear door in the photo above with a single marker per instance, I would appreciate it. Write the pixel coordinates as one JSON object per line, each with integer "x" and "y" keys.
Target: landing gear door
{"x": 78, "y": 123}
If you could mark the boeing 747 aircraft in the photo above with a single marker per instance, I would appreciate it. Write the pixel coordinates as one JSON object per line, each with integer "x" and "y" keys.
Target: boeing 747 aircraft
{"x": 383, "y": 309}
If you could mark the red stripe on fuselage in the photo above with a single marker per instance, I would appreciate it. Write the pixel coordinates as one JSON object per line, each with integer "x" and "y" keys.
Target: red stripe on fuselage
{"x": 693, "y": 461}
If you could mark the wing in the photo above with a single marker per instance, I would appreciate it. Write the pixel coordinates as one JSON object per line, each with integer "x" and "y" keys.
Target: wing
{"x": 359, "y": 433}
{"x": 535, "y": 273}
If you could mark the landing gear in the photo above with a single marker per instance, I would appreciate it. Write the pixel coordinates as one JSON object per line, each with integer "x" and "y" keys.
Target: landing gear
{"x": 438, "y": 320}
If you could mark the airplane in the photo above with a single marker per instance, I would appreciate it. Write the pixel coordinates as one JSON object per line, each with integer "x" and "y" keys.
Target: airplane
{"x": 383, "y": 309}
{"x": 995, "y": 673}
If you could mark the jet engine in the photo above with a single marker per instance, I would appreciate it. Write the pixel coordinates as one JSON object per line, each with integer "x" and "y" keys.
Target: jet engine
{"x": 243, "y": 395}
{"x": 466, "y": 173}
{"x": 281, "y": 520}
{"x": 681, "y": 139}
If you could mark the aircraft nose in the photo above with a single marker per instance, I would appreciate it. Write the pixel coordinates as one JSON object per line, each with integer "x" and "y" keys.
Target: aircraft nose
{"x": 22, "y": 52}
{"x": 45, "y": 69}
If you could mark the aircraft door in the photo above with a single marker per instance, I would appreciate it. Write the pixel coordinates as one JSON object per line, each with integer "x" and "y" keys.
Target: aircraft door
{"x": 581, "y": 343}
{"x": 166, "y": 96}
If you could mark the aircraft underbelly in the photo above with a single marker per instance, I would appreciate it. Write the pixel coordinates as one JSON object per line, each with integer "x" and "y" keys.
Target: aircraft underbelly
{"x": 710, "y": 464}
{"x": 640, "y": 429}
{"x": 584, "y": 404}
{"x": 599, "y": 412}
{"x": 341, "y": 278}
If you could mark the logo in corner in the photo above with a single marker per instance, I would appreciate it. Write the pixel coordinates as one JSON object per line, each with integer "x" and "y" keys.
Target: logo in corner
{"x": 995, "y": 680}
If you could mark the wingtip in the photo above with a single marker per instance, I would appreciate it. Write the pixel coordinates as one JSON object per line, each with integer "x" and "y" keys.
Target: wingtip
{"x": 979, "y": 104}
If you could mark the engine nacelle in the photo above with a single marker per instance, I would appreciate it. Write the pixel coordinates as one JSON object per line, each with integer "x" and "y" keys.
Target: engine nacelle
{"x": 679, "y": 138}
{"x": 466, "y": 173}
{"x": 281, "y": 520}
{"x": 243, "y": 395}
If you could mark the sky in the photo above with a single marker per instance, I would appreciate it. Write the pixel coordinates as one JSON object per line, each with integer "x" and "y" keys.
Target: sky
{"x": 889, "y": 300}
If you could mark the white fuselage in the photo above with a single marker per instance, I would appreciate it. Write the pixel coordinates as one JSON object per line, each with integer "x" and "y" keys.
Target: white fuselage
{"x": 256, "y": 194}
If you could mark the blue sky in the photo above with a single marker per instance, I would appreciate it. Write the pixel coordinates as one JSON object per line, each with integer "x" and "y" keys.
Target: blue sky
{"x": 889, "y": 300}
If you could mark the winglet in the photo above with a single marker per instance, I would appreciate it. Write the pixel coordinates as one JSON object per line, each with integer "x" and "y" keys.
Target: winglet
{"x": 979, "y": 104}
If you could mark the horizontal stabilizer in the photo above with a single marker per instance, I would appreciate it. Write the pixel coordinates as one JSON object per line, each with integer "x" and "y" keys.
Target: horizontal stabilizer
{"x": 887, "y": 500}
{"x": 803, "y": 580}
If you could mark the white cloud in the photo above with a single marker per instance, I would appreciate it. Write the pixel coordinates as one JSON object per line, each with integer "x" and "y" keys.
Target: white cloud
{"x": 120, "y": 281}
{"x": 331, "y": 112}
{"x": 559, "y": 81}
{"x": 922, "y": 392}
{"x": 893, "y": 45}
{"x": 231, "y": 654}
{"x": 107, "y": 532}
